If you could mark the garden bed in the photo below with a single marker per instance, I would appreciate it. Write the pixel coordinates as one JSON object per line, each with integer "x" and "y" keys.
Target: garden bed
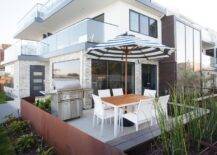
{"x": 6, "y": 146}
{"x": 20, "y": 138}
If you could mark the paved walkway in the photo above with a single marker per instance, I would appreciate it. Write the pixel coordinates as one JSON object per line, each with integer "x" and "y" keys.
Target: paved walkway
{"x": 11, "y": 107}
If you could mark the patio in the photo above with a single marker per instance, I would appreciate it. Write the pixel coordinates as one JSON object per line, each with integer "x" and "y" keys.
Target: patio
{"x": 85, "y": 124}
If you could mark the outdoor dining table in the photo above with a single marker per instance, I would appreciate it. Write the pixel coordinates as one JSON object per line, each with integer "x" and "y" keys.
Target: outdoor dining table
{"x": 119, "y": 102}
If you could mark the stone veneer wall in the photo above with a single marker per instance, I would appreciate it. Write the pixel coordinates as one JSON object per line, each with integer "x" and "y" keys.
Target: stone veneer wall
{"x": 24, "y": 76}
{"x": 85, "y": 73}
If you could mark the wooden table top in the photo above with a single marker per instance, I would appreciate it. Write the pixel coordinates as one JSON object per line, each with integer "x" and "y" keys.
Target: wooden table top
{"x": 124, "y": 99}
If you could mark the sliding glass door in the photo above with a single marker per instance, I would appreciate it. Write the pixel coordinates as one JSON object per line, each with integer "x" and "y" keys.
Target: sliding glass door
{"x": 110, "y": 74}
{"x": 149, "y": 77}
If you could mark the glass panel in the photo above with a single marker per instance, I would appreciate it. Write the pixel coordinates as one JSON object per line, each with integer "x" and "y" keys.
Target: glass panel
{"x": 180, "y": 43}
{"x": 67, "y": 69}
{"x": 197, "y": 51}
{"x": 37, "y": 80}
{"x": 115, "y": 74}
{"x": 153, "y": 28}
{"x": 99, "y": 75}
{"x": 189, "y": 47}
{"x": 134, "y": 21}
{"x": 37, "y": 73}
{"x": 110, "y": 74}
{"x": 37, "y": 88}
{"x": 83, "y": 31}
{"x": 131, "y": 77}
{"x": 144, "y": 25}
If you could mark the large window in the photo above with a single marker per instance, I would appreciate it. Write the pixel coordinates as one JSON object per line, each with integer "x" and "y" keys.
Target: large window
{"x": 188, "y": 44}
{"x": 188, "y": 54}
{"x": 67, "y": 69}
{"x": 143, "y": 24}
{"x": 110, "y": 74}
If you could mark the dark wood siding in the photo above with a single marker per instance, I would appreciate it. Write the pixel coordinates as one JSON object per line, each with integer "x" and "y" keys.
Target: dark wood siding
{"x": 167, "y": 67}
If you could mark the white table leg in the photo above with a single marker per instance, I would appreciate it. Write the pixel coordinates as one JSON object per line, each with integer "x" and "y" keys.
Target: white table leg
{"x": 115, "y": 121}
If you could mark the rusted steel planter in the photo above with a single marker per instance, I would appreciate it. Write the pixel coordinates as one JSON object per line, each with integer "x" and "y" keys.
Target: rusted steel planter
{"x": 66, "y": 139}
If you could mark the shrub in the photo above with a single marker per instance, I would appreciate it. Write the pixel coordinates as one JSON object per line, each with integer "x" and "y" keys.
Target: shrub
{"x": 18, "y": 127}
{"x": 3, "y": 98}
{"x": 45, "y": 151}
{"x": 44, "y": 104}
{"x": 25, "y": 143}
{"x": 9, "y": 119}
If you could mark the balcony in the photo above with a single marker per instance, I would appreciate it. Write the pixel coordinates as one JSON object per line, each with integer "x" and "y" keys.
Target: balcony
{"x": 87, "y": 30}
{"x": 38, "y": 14}
{"x": 55, "y": 15}
{"x": 23, "y": 48}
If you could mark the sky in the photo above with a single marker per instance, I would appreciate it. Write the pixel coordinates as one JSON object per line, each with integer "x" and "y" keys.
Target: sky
{"x": 202, "y": 12}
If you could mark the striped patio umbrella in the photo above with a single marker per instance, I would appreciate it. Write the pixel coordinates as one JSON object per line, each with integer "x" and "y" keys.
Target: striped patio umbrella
{"x": 130, "y": 47}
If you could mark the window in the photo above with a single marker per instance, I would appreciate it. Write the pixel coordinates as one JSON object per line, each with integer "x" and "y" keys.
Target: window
{"x": 152, "y": 28}
{"x": 143, "y": 24}
{"x": 134, "y": 21}
{"x": 189, "y": 47}
{"x": 110, "y": 74}
{"x": 67, "y": 69}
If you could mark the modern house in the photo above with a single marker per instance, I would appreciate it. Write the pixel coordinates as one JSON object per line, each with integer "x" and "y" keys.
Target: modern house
{"x": 54, "y": 38}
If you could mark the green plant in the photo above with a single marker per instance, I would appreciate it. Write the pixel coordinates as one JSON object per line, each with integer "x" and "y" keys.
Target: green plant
{"x": 6, "y": 147}
{"x": 18, "y": 127}
{"x": 25, "y": 143}
{"x": 44, "y": 104}
{"x": 9, "y": 119}
{"x": 45, "y": 151}
{"x": 3, "y": 98}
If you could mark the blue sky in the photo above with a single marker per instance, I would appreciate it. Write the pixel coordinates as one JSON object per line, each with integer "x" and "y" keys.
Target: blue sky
{"x": 201, "y": 11}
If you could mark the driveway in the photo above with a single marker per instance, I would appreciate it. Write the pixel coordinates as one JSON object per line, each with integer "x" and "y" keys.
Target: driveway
{"x": 11, "y": 107}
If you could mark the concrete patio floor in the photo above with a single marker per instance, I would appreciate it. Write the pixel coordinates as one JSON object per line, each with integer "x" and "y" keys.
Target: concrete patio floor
{"x": 84, "y": 123}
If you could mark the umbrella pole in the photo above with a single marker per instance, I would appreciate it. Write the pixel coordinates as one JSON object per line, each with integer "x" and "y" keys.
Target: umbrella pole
{"x": 126, "y": 70}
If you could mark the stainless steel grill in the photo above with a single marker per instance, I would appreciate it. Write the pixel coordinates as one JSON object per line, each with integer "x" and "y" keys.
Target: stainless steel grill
{"x": 69, "y": 100}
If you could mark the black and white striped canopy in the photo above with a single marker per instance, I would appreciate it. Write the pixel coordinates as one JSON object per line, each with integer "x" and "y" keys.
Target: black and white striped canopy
{"x": 137, "y": 49}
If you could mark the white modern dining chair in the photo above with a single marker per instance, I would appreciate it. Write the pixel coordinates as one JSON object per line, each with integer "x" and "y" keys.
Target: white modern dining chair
{"x": 150, "y": 93}
{"x": 104, "y": 93}
{"x": 100, "y": 112}
{"x": 117, "y": 92}
{"x": 163, "y": 103}
{"x": 142, "y": 114}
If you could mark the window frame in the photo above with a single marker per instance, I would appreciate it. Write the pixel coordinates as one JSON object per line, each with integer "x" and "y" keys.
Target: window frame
{"x": 139, "y": 22}
{"x": 53, "y": 75}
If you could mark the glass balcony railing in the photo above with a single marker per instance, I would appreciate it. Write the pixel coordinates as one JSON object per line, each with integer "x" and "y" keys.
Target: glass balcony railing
{"x": 41, "y": 12}
{"x": 87, "y": 30}
{"x": 208, "y": 62}
{"x": 53, "y": 5}
{"x": 30, "y": 17}
{"x": 24, "y": 47}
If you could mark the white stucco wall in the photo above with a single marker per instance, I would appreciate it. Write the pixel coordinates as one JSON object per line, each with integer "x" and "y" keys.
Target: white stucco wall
{"x": 117, "y": 13}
